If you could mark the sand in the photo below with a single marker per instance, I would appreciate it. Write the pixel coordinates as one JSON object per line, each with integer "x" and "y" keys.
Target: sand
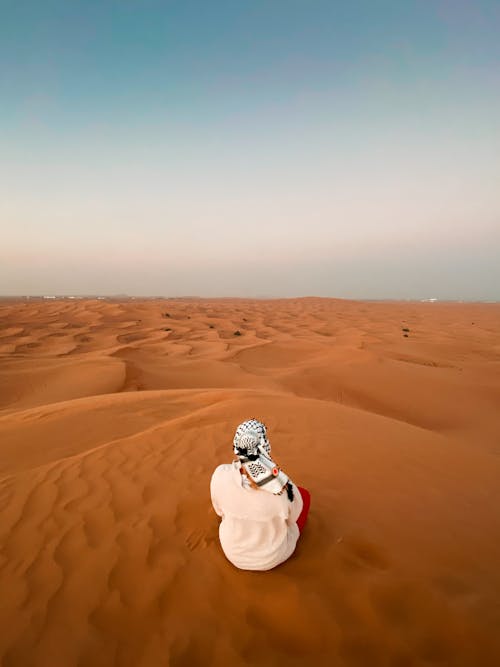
{"x": 113, "y": 415}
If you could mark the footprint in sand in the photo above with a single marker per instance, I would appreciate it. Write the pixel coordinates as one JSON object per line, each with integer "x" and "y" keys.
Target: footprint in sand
{"x": 199, "y": 539}
{"x": 195, "y": 540}
{"x": 358, "y": 554}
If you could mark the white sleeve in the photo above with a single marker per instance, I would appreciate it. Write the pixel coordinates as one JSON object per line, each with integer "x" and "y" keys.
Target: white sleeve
{"x": 213, "y": 494}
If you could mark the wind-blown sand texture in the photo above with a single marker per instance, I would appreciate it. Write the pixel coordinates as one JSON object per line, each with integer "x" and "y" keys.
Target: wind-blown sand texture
{"x": 113, "y": 415}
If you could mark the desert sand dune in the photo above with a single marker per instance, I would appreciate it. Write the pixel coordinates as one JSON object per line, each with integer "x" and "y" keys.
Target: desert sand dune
{"x": 113, "y": 415}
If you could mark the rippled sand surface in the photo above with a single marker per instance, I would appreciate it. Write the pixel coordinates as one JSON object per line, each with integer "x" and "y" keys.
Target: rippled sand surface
{"x": 113, "y": 415}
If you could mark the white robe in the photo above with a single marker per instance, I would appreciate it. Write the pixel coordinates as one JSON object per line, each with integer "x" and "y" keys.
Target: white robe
{"x": 258, "y": 529}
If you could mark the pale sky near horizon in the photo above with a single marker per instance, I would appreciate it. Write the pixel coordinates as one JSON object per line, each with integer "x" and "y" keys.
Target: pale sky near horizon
{"x": 250, "y": 148}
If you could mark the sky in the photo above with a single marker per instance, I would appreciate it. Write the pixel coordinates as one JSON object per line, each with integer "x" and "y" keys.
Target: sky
{"x": 250, "y": 148}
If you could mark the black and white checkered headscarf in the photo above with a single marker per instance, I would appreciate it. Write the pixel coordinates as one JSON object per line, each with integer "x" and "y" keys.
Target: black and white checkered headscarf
{"x": 249, "y": 435}
{"x": 258, "y": 464}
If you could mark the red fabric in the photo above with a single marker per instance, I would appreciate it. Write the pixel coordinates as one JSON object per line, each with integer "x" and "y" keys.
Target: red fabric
{"x": 306, "y": 498}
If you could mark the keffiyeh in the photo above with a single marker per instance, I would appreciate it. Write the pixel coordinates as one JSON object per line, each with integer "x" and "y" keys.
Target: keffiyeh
{"x": 253, "y": 449}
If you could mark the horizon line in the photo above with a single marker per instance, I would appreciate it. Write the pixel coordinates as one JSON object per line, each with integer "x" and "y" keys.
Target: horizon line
{"x": 127, "y": 297}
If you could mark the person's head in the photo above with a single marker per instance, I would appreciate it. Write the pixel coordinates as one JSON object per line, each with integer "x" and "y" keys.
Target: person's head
{"x": 253, "y": 449}
{"x": 249, "y": 436}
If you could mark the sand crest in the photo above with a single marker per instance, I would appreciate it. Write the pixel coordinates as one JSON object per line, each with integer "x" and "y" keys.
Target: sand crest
{"x": 113, "y": 415}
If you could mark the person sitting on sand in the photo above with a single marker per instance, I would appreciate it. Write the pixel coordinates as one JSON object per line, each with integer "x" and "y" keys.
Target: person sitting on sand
{"x": 263, "y": 512}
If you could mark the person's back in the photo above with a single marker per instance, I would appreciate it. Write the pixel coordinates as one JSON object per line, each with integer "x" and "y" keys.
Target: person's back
{"x": 258, "y": 504}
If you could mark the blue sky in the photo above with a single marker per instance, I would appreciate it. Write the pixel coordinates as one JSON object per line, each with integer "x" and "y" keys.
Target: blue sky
{"x": 250, "y": 148}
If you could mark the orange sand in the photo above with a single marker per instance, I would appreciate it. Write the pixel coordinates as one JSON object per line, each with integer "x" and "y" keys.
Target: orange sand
{"x": 110, "y": 428}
